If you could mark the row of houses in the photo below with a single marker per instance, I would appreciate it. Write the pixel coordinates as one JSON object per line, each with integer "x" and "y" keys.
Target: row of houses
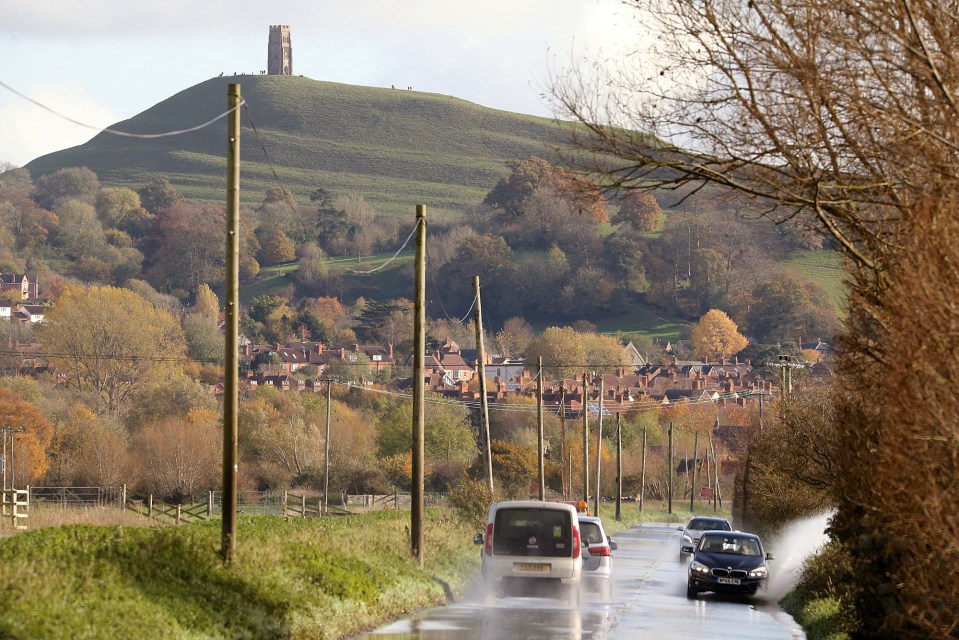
{"x": 451, "y": 371}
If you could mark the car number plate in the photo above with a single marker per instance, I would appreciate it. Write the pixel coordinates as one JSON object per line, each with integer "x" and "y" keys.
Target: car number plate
{"x": 728, "y": 580}
{"x": 531, "y": 566}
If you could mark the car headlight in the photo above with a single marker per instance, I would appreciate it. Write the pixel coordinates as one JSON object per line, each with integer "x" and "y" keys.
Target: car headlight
{"x": 687, "y": 539}
{"x": 698, "y": 567}
{"x": 758, "y": 572}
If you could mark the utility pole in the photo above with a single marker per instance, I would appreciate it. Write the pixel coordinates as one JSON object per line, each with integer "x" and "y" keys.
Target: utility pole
{"x": 481, "y": 371}
{"x": 599, "y": 447}
{"x": 540, "y": 436}
{"x": 585, "y": 441}
{"x": 326, "y": 454}
{"x": 712, "y": 448}
{"x": 642, "y": 479}
{"x": 9, "y": 432}
{"x": 692, "y": 488}
{"x": 669, "y": 478}
{"x": 563, "y": 453}
{"x": 619, "y": 465}
{"x": 419, "y": 386}
{"x": 232, "y": 326}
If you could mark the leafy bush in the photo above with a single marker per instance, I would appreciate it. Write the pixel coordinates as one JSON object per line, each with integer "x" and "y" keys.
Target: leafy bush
{"x": 471, "y": 500}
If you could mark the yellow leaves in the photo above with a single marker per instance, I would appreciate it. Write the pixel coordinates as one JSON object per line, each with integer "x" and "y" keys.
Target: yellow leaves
{"x": 717, "y": 336}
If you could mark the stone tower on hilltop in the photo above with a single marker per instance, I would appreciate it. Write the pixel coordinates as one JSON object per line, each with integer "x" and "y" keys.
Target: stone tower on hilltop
{"x": 279, "y": 57}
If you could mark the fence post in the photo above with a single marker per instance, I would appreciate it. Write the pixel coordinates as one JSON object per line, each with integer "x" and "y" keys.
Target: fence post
{"x": 150, "y": 506}
{"x": 303, "y": 506}
{"x": 209, "y": 504}
{"x": 123, "y": 498}
{"x": 178, "y": 508}
{"x": 285, "y": 497}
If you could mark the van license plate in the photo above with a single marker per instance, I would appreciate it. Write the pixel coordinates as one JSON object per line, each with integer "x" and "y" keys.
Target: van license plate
{"x": 530, "y": 566}
{"x": 728, "y": 580}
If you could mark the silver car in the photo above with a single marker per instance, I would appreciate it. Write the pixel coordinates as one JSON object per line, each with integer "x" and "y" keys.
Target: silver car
{"x": 694, "y": 529}
{"x": 598, "y": 564}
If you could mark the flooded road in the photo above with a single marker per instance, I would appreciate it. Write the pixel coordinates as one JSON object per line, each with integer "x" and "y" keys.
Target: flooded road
{"x": 648, "y": 600}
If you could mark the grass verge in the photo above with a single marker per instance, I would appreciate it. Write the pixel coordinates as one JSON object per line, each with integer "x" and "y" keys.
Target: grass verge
{"x": 313, "y": 578}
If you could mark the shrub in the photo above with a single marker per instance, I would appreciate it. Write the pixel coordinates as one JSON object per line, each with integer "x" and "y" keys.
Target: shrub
{"x": 471, "y": 500}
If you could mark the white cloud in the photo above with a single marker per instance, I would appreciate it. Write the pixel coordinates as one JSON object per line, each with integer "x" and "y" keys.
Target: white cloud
{"x": 28, "y": 131}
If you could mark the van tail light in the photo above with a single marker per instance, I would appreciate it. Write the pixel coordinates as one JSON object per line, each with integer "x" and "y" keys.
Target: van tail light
{"x": 599, "y": 551}
{"x": 488, "y": 547}
{"x": 576, "y": 542}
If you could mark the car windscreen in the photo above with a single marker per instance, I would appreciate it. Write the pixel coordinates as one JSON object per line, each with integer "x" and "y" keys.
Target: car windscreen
{"x": 735, "y": 545}
{"x": 533, "y": 532}
{"x": 708, "y": 525}
{"x": 591, "y": 533}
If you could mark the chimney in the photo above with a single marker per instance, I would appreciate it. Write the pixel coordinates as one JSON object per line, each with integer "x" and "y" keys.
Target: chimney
{"x": 389, "y": 350}
{"x": 318, "y": 347}
{"x": 342, "y": 353}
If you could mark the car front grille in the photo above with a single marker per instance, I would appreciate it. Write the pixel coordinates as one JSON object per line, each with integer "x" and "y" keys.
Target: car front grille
{"x": 729, "y": 573}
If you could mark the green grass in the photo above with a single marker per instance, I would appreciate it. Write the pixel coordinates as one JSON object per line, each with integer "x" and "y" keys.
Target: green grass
{"x": 820, "y": 618}
{"x": 647, "y": 320}
{"x": 313, "y": 578}
{"x": 825, "y": 269}
{"x": 396, "y": 148}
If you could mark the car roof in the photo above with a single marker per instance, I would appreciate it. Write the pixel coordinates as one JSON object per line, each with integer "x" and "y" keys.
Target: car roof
{"x": 533, "y": 504}
{"x": 733, "y": 534}
{"x": 595, "y": 519}
{"x": 708, "y": 519}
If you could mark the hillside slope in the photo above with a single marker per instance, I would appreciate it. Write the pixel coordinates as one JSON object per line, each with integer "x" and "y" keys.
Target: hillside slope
{"x": 395, "y": 147}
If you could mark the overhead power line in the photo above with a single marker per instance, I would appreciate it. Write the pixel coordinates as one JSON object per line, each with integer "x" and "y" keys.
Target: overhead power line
{"x": 117, "y": 132}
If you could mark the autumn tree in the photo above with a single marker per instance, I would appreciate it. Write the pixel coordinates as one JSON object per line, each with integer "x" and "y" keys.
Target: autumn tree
{"x": 562, "y": 350}
{"x": 110, "y": 342}
{"x": 276, "y": 247}
{"x": 31, "y": 443}
{"x": 120, "y": 208}
{"x": 180, "y": 456}
{"x": 715, "y": 336}
{"x": 448, "y": 436}
{"x": 73, "y": 183}
{"x": 511, "y": 191}
{"x": 514, "y": 337}
{"x": 157, "y": 195}
{"x": 639, "y": 211}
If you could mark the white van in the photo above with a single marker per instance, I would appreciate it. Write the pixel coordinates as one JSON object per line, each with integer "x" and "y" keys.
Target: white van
{"x": 532, "y": 548}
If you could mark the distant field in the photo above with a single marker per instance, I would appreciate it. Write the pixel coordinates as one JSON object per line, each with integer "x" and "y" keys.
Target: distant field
{"x": 825, "y": 269}
{"x": 646, "y": 320}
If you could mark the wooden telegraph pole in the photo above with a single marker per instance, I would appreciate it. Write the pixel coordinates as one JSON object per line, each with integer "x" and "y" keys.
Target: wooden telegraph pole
{"x": 585, "y": 441}
{"x": 692, "y": 489}
{"x": 326, "y": 447}
{"x": 669, "y": 478}
{"x": 481, "y": 371}
{"x": 619, "y": 465}
{"x": 232, "y": 326}
{"x": 567, "y": 481}
{"x": 540, "y": 436}
{"x": 599, "y": 448}
{"x": 419, "y": 386}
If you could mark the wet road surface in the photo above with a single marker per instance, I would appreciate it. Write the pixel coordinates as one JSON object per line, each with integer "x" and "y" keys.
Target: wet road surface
{"x": 647, "y": 600}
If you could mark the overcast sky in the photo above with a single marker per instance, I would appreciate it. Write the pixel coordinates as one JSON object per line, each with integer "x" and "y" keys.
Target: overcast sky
{"x": 102, "y": 61}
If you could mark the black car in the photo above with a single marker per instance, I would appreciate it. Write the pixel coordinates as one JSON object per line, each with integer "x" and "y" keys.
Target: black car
{"x": 728, "y": 562}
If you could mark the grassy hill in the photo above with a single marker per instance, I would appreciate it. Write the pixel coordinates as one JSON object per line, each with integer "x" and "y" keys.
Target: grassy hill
{"x": 397, "y": 148}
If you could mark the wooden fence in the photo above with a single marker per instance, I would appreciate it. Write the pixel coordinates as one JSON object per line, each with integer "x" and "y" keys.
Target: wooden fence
{"x": 15, "y": 504}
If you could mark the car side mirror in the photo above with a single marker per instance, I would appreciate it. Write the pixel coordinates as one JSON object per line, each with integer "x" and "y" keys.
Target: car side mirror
{"x": 680, "y": 528}
{"x": 687, "y": 549}
{"x": 770, "y": 556}
{"x": 478, "y": 538}
{"x": 613, "y": 546}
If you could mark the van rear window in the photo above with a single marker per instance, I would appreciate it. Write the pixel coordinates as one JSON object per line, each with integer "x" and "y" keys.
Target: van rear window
{"x": 532, "y": 532}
